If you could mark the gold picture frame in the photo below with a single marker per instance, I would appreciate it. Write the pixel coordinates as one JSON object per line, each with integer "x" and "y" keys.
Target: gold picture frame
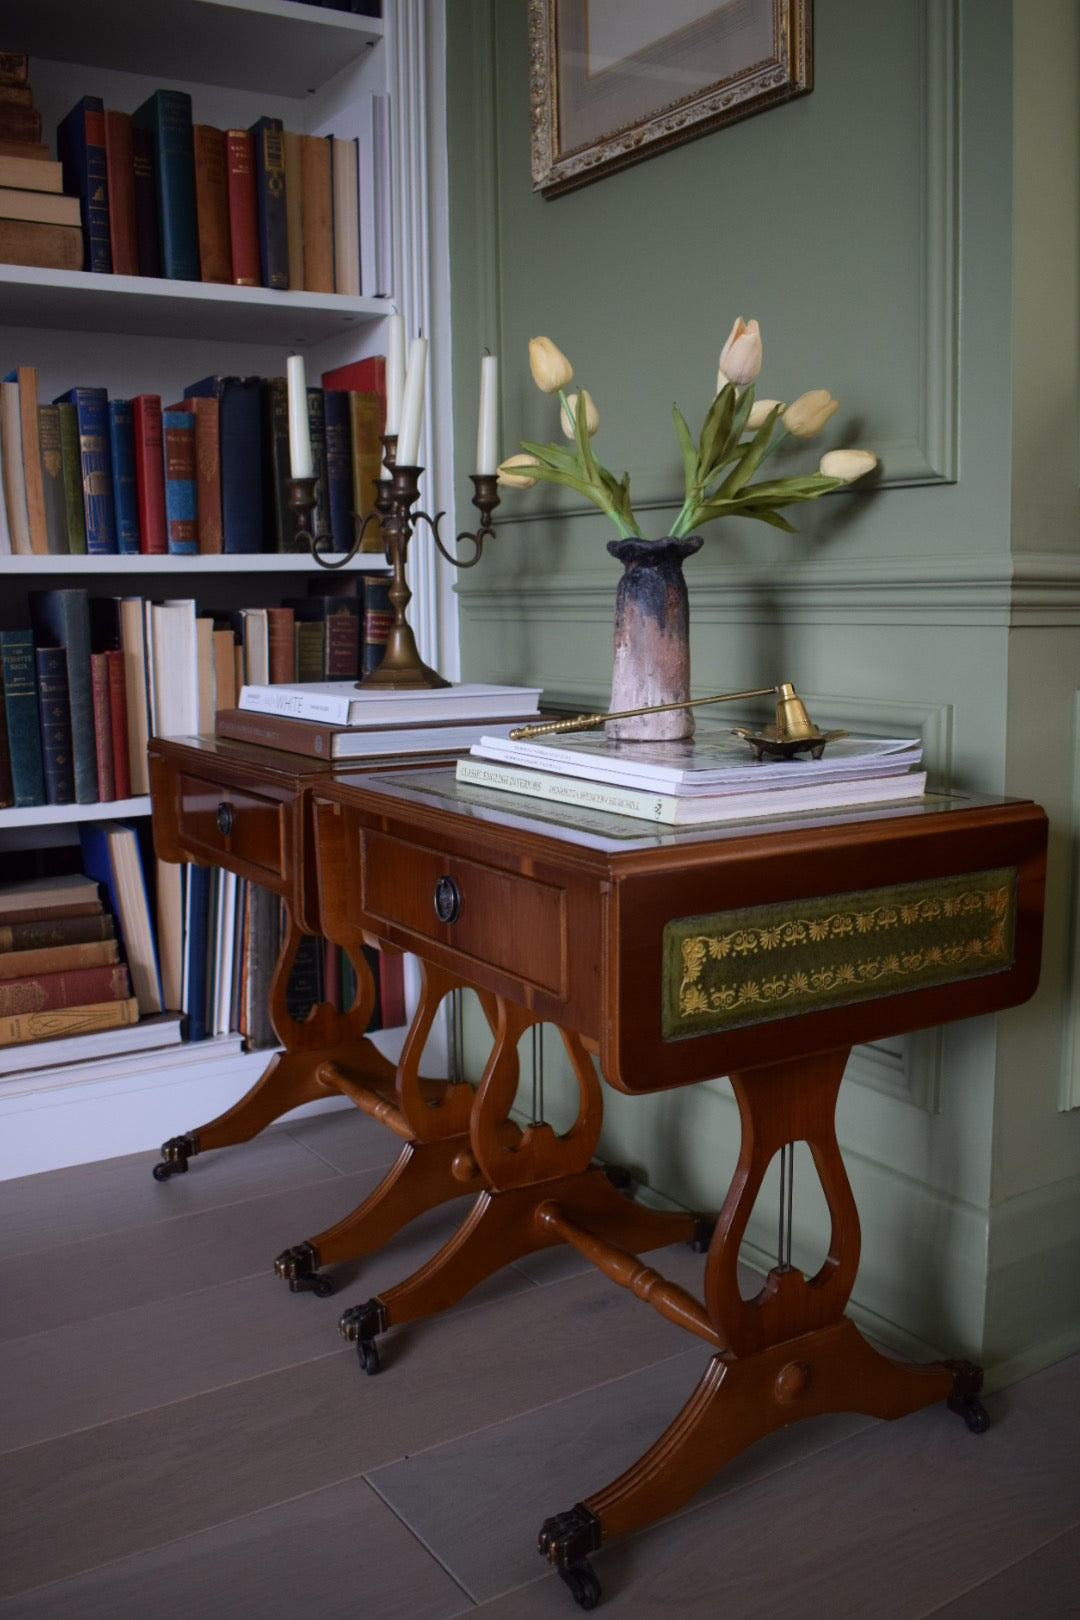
{"x": 612, "y": 82}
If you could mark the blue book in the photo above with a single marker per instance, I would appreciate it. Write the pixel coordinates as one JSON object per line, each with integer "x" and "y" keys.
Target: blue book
{"x": 338, "y": 431}
{"x": 197, "y": 945}
{"x": 241, "y": 459}
{"x": 80, "y": 146}
{"x": 111, "y": 855}
{"x": 61, "y": 618}
{"x": 268, "y": 135}
{"x": 125, "y": 489}
{"x": 181, "y": 501}
{"x": 95, "y": 461}
{"x": 54, "y": 716}
{"x": 21, "y": 710}
{"x": 320, "y": 518}
{"x": 167, "y": 114}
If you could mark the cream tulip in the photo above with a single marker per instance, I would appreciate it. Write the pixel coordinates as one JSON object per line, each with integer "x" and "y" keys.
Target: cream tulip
{"x": 847, "y": 464}
{"x": 810, "y": 412}
{"x": 550, "y": 368}
{"x": 759, "y": 410}
{"x": 508, "y": 475}
{"x": 568, "y": 414}
{"x": 740, "y": 358}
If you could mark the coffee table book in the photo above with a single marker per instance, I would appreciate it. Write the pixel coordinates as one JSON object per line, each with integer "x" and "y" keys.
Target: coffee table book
{"x": 342, "y": 703}
{"x": 318, "y": 741}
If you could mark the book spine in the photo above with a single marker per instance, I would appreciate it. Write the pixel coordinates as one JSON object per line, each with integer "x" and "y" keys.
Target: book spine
{"x": 17, "y": 1029}
{"x": 61, "y": 618}
{"x": 52, "y": 480}
{"x": 144, "y": 197}
{"x": 42, "y": 247}
{"x": 54, "y": 718}
{"x": 120, "y": 185}
{"x": 7, "y": 786}
{"x": 21, "y": 705}
{"x": 241, "y": 466}
{"x": 309, "y": 637}
{"x": 27, "y": 381}
{"x": 56, "y": 933}
{"x": 181, "y": 512}
{"x": 339, "y": 467}
{"x": 92, "y": 415}
{"x": 269, "y": 151}
{"x": 80, "y": 146}
{"x": 243, "y": 208}
{"x": 14, "y": 67}
{"x": 346, "y": 218}
{"x": 71, "y": 987}
{"x": 57, "y": 958}
{"x": 118, "y": 723}
{"x": 276, "y": 731}
{"x": 378, "y": 619}
{"x": 318, "y": 213}
{"x": 571, "y": 790}
{"x": 207, "y": 474}
{"x": 149, "y": 473}
{"x": 366, "y": 416}
{"x": 103, "y": 742}
{"x": 71, "y": 472}
{"x": 198, "y": 941}
{"x": 328, "y": 707}
{"x": 32, "y": 175}
{"x": 294, "y": 209}
{"x": 276, "y": 464}
{"x": 212, "y": 204}
{"x": 20, "y": 123}
{"x": 281, "y": 645}
{"x": 341, "y": 648}
{"x": 168, "y": 114}
{"x": 124, "y": 477}
{"x": 317, "y": 431}
{"x": 11, "y": 455}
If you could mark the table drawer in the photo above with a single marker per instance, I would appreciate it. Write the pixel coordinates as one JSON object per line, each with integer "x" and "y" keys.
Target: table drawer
{"x": 485, "y": 912}
{"x": 235, "y": 828}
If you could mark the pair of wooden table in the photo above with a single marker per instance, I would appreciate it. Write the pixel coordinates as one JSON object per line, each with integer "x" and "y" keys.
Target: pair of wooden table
{"x": 764, "y": 952}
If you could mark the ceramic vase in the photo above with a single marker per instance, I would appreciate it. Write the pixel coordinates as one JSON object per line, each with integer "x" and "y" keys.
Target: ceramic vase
{"x": 652, "y": 639}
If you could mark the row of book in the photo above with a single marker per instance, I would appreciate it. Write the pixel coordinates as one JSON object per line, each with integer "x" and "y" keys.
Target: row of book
{"x": 199, "y": 476}
{"x": 92, "y": 678}
{"x": 153, "y": 193}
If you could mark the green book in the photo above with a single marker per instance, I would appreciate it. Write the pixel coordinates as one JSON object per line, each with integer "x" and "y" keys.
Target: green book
{"x": 21, "y": 704}
{"x": 52, "y": 480}
{"x": 71, "y": 472}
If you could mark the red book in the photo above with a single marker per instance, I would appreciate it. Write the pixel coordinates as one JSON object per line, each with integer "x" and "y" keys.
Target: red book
{"x": 72, "y": 987}
{"x": 366, "y": 376}
{"x": 212, "y": 204}
{"x": 243, "y": 208}
{"x": 119, "y": 720}
{"x": 150, "y": 473}
{"x": 120, "y": 181}
{"x": 103, "y": 744}
{"x": 207, "y": 414}
{"x": 281, "y": 644}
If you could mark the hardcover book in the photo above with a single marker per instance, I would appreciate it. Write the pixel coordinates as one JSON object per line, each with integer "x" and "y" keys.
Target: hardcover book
{"x": 212, "y": 203}
{"x": 31, "y": 174}
{"x": 340, "y": 617}
{"x": 243, "y": 208}
{"x": 26, "y": 380}
{"x": 144, "y": 196}
{"x": 317, "y": 219}
{"x": 120, "y": 185}
{"x": 340, "y": 703}
{"x": 112, "y": 856}
{"x": 18, "y": 1029}
{"x": 339, "y": 467}
{"x": 7, "y": 787}
{"x": 150, "y": 473}
{"x": 276, "y": 464}
{"x": 124, "y": 476}
{"x": 207, "y": 415}
{"x": 103, "y": 742}
{"x": 317, "y": 741}
{"x": 367, "y": 417}
{"x": 167, "y": 114}
{"x": 181, "y": 512}
{"x": 11, "y": 459}
{"x": 378, "y": 619}
{"x": 80, "y": 146}
{"x": 280, "y": 644}
{"x": 52, "y": 480}
{"x": 22, "y": 963}
{"x": 45, "y": 247}
{"x": 21, "y": 711}
{"x": 269, "y": 154}
{"x": 346, "y": 217}
{"x": 320, "y": 518}
{"x": 61, "y": 618}
{"x": 54, "y": 718}
{"x": 92, "y": 419}
{"x": 240, "y": 421}
{"x": 45, "y": 207}
{"x": 71, "y": 474}
{"x": 118, "y": 722}
{"x": 68, "y": 987}
{"x": 294, "y": 209}
{"x": 58, "y": 933}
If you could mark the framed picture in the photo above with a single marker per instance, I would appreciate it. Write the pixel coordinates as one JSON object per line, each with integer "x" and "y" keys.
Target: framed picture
{"x": 616, "y": 81}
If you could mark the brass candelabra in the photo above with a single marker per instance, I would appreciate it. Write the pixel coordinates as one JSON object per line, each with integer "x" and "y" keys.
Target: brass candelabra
{"x": 396, "y": 496}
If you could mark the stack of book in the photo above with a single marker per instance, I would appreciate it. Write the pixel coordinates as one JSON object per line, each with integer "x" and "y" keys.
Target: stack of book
{"x": 61, "y": 968}
{"x": 336, "y": 720}
{"x": 38, "y": 224}
{"x": 711, "y": 777}
{"x": 197, "y": 476}
{"x": 259, "y": 206}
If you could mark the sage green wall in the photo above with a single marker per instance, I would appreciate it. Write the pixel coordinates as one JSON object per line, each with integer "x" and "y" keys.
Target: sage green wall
{"x": 874, "y": 229}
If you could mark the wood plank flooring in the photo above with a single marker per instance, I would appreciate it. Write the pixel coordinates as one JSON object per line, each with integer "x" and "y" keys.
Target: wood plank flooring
{"x": 182, "y": 1436}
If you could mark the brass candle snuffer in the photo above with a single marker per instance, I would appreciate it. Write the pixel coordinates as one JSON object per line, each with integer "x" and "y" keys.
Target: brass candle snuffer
{"x": 401, "y": 666}
{"x": 794, "y": 732}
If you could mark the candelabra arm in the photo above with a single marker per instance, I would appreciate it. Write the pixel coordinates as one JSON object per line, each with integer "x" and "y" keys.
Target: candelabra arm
{"x": 320, "y": 543}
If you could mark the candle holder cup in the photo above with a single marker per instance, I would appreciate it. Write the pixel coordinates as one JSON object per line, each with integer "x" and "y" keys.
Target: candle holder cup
{"x": 401, "y": 666}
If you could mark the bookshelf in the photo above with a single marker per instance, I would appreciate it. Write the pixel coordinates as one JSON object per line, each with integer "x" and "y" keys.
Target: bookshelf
{"x": 239, "y": 60}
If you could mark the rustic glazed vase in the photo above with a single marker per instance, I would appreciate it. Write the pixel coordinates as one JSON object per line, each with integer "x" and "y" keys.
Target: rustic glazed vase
{"x": 652, "y": 639}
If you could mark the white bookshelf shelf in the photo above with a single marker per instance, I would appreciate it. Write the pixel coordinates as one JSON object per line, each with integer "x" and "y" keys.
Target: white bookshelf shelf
{"x": 59, "y": 815}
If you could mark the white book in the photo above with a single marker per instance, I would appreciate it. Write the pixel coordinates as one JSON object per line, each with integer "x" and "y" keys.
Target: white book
{"x": 384, "y": 255}
{"x": 366, "y": 193}
{"x": 688, "y": 810}
{"x": 346, "y": 216}
{"x": 713, "y": 760}
{"x": 343, "y": 703}
{"x": 173, "y": 668}
{"x": 11, "y": 458}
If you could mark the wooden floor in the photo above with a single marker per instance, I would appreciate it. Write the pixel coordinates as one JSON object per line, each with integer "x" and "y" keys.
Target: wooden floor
{"x": 182, "y": 1436}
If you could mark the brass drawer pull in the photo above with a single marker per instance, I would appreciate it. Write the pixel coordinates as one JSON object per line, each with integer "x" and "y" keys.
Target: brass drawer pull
{"x": 224, "y": 819}
{"x": 447, "y": 900}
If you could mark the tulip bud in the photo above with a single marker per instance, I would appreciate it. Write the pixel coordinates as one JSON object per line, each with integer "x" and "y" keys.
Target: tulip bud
{"x": 759, "y": 410}
{"x": 740, "y": 358}
{"x": 810, "y": 412}
{"x": 847, "y": 464}
{"x": 515, "y": 480}
{"x": 568, "y": 414}
{"x": 550, "y": 368}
